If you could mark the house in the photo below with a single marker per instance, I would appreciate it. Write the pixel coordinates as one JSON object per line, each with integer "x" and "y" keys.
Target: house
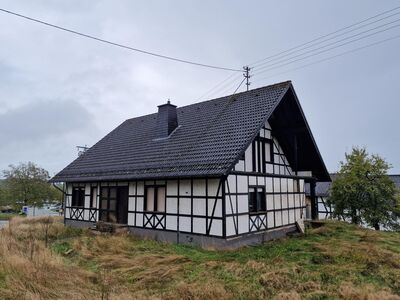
{"x": 322, "y": 190}
{"x": 220, "y": 173}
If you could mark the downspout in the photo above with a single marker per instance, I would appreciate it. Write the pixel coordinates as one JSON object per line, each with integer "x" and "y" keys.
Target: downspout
{"x": 314, "y": 202}
{"x": 64, "y": 197}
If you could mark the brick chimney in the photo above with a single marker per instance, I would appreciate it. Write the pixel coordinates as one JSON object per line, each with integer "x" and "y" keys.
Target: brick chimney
{"x": 167, "y": 120}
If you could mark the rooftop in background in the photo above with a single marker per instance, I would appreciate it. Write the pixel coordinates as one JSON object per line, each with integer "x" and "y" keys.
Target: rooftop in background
{"x": 322, "y": 188}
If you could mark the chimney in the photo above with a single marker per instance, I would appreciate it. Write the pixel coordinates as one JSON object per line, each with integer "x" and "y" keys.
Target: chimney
{"x": 167, "y": 120}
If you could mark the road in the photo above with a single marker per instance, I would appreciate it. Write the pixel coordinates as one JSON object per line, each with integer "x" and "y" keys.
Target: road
{"x": 43, "y": 211}
{"x": 3, "y": 223}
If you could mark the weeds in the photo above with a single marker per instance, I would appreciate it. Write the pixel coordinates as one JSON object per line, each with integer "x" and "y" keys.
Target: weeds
{"x": 42, "y": 259}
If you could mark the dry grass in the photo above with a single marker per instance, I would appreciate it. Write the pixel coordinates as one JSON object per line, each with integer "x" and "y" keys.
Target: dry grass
{"x": 335, "y": 261}
{"x": 349, "y": 292}
{"x": 32, "y": 271}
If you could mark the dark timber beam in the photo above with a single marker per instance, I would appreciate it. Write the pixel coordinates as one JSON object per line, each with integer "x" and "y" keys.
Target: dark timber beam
{"x": 314, "y": 202}
{"x": 289, "y": 130}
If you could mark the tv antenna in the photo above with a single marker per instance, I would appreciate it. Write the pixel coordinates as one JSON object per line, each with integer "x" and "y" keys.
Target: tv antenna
{"x": 82, "y": 149}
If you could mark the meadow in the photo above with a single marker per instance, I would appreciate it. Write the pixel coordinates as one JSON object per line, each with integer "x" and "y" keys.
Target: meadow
{"x": 40, "y": 258}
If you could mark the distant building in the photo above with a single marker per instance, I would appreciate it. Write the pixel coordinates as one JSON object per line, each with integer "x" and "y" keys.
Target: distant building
{"x": 322, "y": 191}
{"x": 222, "y": 173}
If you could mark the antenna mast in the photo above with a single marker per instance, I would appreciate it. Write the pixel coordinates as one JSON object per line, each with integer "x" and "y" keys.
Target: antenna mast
{"x": 247, "y": 75}
{"x": 82, "y": 149}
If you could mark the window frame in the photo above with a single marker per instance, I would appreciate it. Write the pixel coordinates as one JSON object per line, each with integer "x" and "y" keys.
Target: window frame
{"x": 259, "y": 159}
{"x": 92, "y": 189}
{"x": 80, "y": 202}
{"x": 260, "y": 206}
{"x": 155, "y": 199}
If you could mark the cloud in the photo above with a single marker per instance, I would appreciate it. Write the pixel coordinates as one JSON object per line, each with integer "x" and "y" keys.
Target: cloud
{"x": 42, "y": 119}
{"x": 45, "y": 132}
{"x": 58, "y": 90}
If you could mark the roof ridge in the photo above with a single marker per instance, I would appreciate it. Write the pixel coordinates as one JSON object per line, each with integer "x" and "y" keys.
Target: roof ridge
{"x": 219, "y": 98}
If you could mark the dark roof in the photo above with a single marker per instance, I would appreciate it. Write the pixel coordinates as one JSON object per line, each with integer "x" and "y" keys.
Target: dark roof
{"x": 322, "y": 188}
{"x": 210, "y": 138}
{"x": 396, "y": 179}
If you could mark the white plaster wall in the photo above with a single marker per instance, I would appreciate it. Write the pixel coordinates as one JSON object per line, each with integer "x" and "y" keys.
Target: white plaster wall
{"x": 282, "y": 207}
{"x": 179, "y": 199}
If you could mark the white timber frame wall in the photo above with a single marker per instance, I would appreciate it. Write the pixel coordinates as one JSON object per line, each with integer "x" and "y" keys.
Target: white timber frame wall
{"x": 191, "y": 205}
{"x": 216, "y": 207}
{"x": 324, "y": 210}
{"x": 264, "y": 168}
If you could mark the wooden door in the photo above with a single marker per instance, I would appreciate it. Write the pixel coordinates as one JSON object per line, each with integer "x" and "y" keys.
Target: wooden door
{"x": 122, "y": 205}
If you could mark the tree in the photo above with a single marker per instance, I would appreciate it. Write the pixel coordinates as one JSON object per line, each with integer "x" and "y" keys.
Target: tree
{"x": 363, "y": 192}
{"x": 3, "y": 193}
{"x": 28, "y": 183}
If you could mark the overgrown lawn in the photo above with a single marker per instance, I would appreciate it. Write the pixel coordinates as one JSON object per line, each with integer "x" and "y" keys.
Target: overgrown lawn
{"x": 334, "y": 261}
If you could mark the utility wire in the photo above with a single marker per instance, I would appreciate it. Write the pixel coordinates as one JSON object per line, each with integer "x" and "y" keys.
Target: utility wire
{"x": 320, "y": 40}
{"x": 238, "y": 86}
{"x": 326, "y": 35}
{"x": 119, "y": 45}
{"x": 323, "y": 51}
{"x": 217, "y": 85}
{"x": 324, "y": 40}
{"x": 226, "y": 87}
{"x": 332, "y": 57}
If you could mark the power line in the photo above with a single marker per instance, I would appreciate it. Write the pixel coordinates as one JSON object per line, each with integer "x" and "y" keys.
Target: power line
{"x": 119, "y": 45}
{"x": 228, "y": 87}
{"x": 323, "y": 51}
{"x": 326, "y": 35}
{"x": 341, "y": 40}
{"x": 224, "y": 88}
{"x": 332, "y": 57}
{"x": 324, "y": 40}
{"x": 239, "y": 86}
{"x": 217, "y": 85}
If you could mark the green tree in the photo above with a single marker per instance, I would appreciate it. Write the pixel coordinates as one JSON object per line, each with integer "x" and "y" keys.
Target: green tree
{"x": 28, "y": 184}
{"x": 363, "y": 192}
{"x": 4, "y": 197}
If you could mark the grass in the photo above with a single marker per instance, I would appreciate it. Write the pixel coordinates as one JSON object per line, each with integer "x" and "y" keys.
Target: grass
{"x": 8, "y": 216}
{"x": 334, "y": 261}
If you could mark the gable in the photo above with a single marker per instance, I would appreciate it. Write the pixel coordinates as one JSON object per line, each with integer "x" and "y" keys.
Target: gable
{"x": 294, "y": 148}
{"x": 293, "y": 133}
{"x": 264, "y": 155}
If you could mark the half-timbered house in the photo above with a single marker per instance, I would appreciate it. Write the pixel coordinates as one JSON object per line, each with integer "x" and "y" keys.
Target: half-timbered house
{"x": 322, "y": 191}
{"x": 223, "y": 173}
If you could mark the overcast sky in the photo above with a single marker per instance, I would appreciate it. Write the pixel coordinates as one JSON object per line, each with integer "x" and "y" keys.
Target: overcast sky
{"x": 58, "y": 90}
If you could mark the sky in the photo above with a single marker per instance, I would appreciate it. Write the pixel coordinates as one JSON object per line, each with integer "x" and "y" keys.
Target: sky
{"x": 58, "y": 90}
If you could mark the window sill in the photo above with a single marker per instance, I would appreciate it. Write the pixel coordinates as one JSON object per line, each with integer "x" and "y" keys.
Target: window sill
{"x": 258, "y": 213}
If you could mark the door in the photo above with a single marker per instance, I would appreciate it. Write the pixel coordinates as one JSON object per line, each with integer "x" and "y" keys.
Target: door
{"x": 122, "y": 196}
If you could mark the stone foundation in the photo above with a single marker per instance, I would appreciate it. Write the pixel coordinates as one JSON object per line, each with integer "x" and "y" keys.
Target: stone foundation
{"x": 201, "y": 240}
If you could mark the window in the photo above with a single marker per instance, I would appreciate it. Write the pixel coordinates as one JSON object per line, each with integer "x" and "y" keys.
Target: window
{"x": 108, "y": 204}
{"x": 155, "y": 199}
{"x": 78, "y": 196}
{"x": 93, "y": 197}
{"x": 296, "y": 185}
{"x": 261, "y": 154}
{"x": 257, "y": 199}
